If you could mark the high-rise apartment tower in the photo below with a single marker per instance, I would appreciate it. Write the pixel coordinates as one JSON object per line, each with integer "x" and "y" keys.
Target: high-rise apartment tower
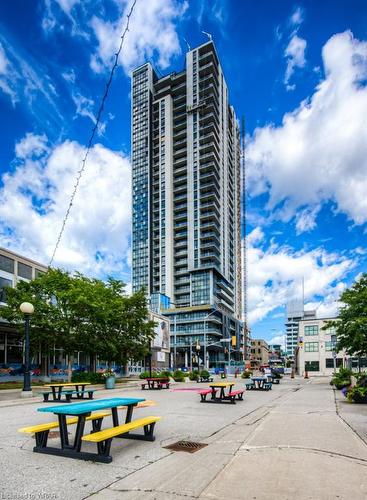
{"x": 186, "y": 205}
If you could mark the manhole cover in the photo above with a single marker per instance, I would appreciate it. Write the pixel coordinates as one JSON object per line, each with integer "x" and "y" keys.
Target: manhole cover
{"x": 188, "y": 446}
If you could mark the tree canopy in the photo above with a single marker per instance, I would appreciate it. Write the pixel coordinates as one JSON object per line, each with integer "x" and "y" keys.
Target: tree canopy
{"x": 77, "y": 313}
{"x": 351, "y": 324}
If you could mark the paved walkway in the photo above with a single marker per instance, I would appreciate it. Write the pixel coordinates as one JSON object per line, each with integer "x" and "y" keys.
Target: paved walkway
{"x": 288, "y": 443}
{"x": 293, "y": 447}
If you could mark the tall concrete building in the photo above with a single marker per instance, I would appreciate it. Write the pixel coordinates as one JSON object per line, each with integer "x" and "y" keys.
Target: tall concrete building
{"x": 186, "y": 204}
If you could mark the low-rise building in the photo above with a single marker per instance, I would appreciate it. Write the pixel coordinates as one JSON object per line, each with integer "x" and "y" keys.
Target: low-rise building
{"x": 316, "y": 348}
{"x": 13, "y": 268}
{"x": 259, "y": 353}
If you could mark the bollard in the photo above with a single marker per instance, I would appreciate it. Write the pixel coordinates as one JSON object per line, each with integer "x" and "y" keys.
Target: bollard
{"x": 292, "y": 373}
{"x": 306, "y": 374}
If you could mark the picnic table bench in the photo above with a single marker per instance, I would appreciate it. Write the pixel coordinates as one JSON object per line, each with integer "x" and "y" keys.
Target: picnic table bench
{"x": 66, "y": 389}
{"x": 80, "y": 414}
{"x": 259, "y": 384}
{"x": 204, "y": 379}
{"x": 156, "y": 383}
{"x": 68, "y": 395}
{"x": 249, "y": 384}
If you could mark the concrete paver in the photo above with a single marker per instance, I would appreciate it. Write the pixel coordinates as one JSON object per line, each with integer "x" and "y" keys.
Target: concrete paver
{"x": 274, "y": 445}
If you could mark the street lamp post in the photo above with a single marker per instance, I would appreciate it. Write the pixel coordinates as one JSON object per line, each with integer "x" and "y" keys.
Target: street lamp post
{"x": 197, "y": 353}
{"x": 27, "y": 309}
{"x": 190, "y": 354}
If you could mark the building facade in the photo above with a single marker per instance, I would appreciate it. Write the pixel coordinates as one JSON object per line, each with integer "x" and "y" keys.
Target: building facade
{"x": 186, "y": 203}
{"x": 316, "y": 348}
{"x": 259, "y": 353}
{"x": 295, "y": 313}
{"x": 13, "y": 268}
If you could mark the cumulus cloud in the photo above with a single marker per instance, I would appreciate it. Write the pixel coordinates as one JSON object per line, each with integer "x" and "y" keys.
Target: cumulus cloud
{"x": 319, "y": 152}
{"x": 278, "y": 339}
{"x": 275, "y": 275}
{"x": 34, "y": 198}
{"x": 152, "y": 33}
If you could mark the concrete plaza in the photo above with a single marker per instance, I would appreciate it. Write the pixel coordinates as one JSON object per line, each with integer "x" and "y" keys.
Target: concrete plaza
{"x": 295, "y": 441}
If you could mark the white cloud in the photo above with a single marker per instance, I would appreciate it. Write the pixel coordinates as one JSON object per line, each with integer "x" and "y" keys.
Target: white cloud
{"x": 69, "y": 76}
{"x": 34, "y": 198}
{"x": 297, "y": 17}
{"x": 27, "y": 83}
{"x": 275, "y": 274}
{"x": 51, "y": 18}
{"x": 319, "y": 152}
{"x": 152, "y": 32}
{"x": 84, "y": 107}
{"x": 295, "y": 55}
{"x": 306, "y": 219}
{"x": 6, "y": 75}
{"x": 31, "y": 146}
{"x": 278, "y": 339}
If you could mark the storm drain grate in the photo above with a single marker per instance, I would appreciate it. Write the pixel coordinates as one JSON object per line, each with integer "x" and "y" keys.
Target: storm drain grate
{"x": 188, "y": 446}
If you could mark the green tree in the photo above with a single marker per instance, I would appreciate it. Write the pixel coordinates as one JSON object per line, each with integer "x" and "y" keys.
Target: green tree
{"x": 351, "y": 324}
{"x": 76, "y": 313}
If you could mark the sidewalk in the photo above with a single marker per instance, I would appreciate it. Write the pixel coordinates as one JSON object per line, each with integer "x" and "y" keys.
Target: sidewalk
{"x": 285, "y": 444}
{"x": 294, "y": 447}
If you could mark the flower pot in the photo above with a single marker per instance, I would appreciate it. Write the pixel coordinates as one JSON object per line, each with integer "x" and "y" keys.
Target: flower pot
{"x": 110, "y": 383}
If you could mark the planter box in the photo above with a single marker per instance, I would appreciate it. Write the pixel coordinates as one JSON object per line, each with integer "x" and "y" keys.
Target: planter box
{"x": 357, "y": 398}
{"x": 110, "y": 382}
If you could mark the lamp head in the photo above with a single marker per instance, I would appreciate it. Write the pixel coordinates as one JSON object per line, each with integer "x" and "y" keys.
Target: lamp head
{"x": 26, "y": 308}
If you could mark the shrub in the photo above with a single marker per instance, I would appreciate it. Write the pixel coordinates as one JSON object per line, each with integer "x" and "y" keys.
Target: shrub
{"x": 165, "y": 373}
{"x": 204, "y": 373}
{"x": 194, "y": 375}
{"x": 342, "y": 378}
{"x": 361, "y": 379}
{"x": 357, "y": 394}
{"x": 146, "y": 374}
{"x": 246, "y": 374}
{"x": 93, "y": 378}
{"x": 179, "y": 376}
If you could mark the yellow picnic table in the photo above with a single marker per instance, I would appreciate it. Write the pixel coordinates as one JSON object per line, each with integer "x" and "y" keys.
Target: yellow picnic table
{"x": 57, "y": 387}
{"x": 222, "y": 386}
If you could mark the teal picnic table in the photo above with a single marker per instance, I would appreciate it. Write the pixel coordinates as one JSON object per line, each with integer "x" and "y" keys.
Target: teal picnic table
{"x": 82, "y": 411}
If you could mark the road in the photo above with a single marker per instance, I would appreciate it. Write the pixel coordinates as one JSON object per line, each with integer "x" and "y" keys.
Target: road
{"x": 287, "y": 443}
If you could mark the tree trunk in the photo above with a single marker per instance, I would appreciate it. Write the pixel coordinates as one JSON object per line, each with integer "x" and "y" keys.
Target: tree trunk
{"x": 92, "y": 363}
{"x": 44, "y": 366}
{"x": 70, "y": 364}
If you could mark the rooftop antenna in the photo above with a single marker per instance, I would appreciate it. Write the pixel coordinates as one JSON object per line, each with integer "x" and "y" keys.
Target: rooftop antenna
{"x": 208, "y": 35}
{"x": 188, "y": 45}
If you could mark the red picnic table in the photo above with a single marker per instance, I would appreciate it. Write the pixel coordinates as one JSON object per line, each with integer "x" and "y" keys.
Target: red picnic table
{"x": 156, "y": 383}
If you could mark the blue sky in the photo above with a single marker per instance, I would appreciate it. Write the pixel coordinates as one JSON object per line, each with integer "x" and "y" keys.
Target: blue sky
{"x": 296, "y": 71}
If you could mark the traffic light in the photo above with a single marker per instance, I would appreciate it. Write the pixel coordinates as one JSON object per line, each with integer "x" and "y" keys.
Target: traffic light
{"x": 234, "y": 341}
